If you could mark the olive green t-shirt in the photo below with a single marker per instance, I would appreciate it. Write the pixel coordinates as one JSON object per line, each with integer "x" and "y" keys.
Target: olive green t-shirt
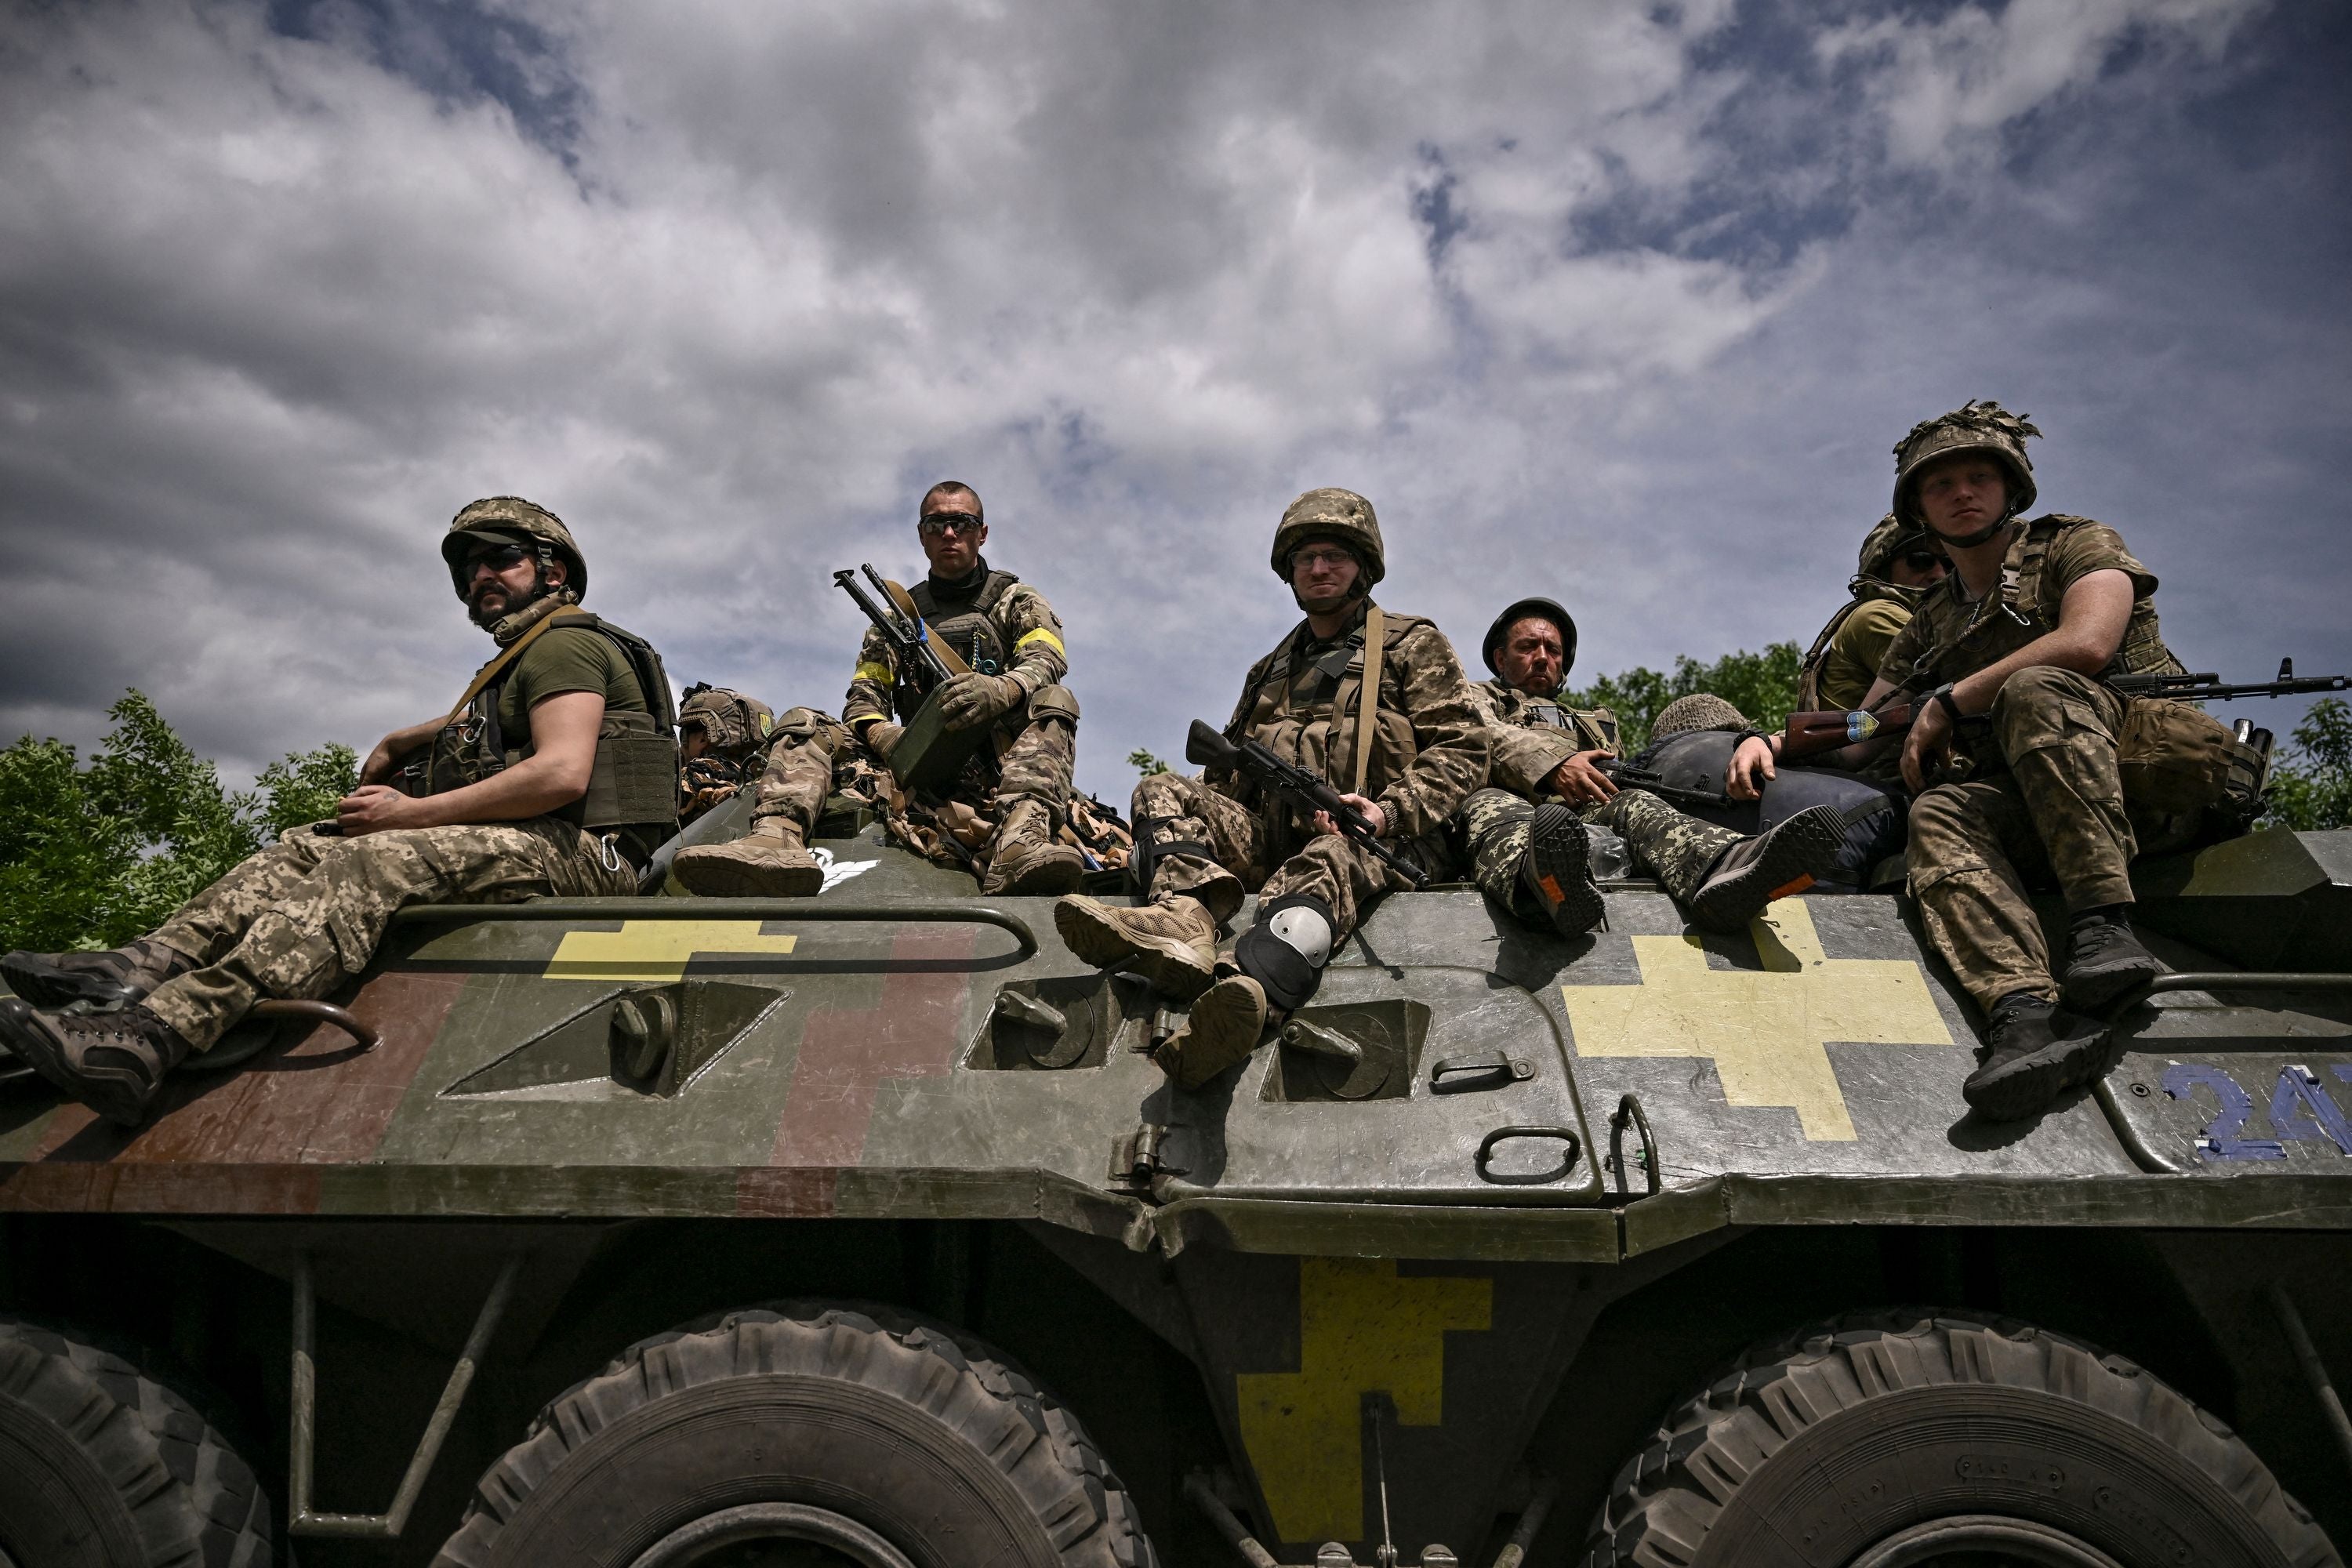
{"x": 566, "y": 659}
{"x": 1851, "y": 661}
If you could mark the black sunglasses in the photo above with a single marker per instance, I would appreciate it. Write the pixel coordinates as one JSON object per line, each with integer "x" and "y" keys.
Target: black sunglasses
{"x": 497, "y": 557}
{"x": 933, "y": 524}
{"x": 1921, "y": 560}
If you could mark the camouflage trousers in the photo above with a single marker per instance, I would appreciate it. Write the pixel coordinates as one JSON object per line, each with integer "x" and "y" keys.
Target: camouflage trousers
{"x": 1184, "y": 816}
{"x": 1676, "y": 848}
{"x": 811, "y": 748}
{"x": 302, "y": 916}
{"x": 2058, "y": 813}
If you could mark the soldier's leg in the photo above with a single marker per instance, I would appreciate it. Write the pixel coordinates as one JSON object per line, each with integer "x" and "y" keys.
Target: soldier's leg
{"x": 1033, "y": 800}
{"x": 1533, "y": 860}
{"x": 1723, "y": 879}
{"x": 2058, "y": 730}
{"x": 1972, "y": 847}
{"x": 1201, "y": 844}
{"x": 773, "y": 860}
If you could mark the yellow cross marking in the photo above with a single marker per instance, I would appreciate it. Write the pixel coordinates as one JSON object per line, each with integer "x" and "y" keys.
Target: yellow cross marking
{"x": 655, "y": 950}
{"x": 1360, "y": 1329}
{"x": 1766, "y": 1031}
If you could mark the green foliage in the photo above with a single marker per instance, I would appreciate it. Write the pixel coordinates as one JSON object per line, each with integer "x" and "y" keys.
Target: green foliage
{"x": 1144, "y": 762}
{"x": 2311, "y": 783}
{"x": 92, "y": 857}
{"x": 1763, "y": 686}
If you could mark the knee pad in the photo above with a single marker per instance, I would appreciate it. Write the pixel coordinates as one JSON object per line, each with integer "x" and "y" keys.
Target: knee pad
{"x": 1285, "y": 951}
{"x": 1054, "y": 702}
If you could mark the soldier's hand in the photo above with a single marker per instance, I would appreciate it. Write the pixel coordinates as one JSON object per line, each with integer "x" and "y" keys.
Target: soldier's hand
{"x": 1750, "y": 770}
{"x": 372, "y": 808}
{"x": 972, "y": 699}
{"x": 1370, "y": 810}
{"x": 1580, "y": 780}
{"x": 1930, "y": 736}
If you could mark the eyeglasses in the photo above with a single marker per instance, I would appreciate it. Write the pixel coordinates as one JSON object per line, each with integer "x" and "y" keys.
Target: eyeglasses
{"x": 1323, "y": 555}
{"x": 932, "y": 524}
{"x": 497, "y": 557}
{"x": 1922, "y": 559}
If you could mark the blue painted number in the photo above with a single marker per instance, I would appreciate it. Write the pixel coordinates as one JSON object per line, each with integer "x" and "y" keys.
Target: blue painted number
{"x": 2220, "y": 1141}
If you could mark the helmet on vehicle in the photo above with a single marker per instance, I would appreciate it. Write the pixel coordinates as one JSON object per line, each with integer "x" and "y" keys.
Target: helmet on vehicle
{"x": 1889, "y": 538}
{"x": 511, "y": 518}
{"x": 728, "y": 720}
{"x": 1546, "y": 609}
{"x": 1699, "y": 710}
{"x": 1341, "y": 516}
{"x": 1981, "y": 427}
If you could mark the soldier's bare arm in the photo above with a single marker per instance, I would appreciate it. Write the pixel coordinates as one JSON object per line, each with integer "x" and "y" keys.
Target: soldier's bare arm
{"x": 1580, "y": 779}
{"x": 394, "y": 746}
{"x": 563, "y": 751}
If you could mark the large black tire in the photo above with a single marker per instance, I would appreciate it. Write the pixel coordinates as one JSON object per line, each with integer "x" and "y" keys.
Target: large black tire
{"x": 1818, "y": 1447}
{"x": 891, "y": 1423}
{"x": 103, "y": 1467}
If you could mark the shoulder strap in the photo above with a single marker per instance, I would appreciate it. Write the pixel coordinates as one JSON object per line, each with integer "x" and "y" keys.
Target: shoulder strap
{"x": 1367, "y": 696}
{"x": 645, "y": 662}
{"x": 490, "y": 672}
{"x": 918, "y": 606}
{"x": 998, "y": 584}
{"x": 2040, "y": 535}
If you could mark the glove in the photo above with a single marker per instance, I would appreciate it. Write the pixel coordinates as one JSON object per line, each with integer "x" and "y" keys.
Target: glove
{"x": 882, "y": 738}
{"x": 973, "y": 699}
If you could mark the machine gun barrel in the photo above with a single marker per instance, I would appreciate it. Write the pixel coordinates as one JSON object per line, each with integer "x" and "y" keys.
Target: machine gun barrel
{"x": 1210, "y": 749}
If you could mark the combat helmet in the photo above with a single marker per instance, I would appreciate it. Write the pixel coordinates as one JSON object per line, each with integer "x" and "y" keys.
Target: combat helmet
{"x": 1341, "y": 516}
{"x": 1546, "y": 609}
{"x": 729, "y": 720}
{"x": 1983, "y": 426}
{"x": 511, "y": 518}
{"x": 1699, "y": 710}
{"x": 1886, "y": 540}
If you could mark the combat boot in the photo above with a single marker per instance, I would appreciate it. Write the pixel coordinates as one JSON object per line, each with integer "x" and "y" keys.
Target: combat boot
{"x": 1223, "y": 1028}
{"x": 2034, "y": 1052}
{"x": 112, "y": 1062}
{"x": 1556, "y": 872}
{"x": 115, "y": 978}
{"x": 1781, "y": 860}
{"x": 2105, "y": 961}
{"x": 769, "y": 862}
{"x": 1171, "y": 943}
{"x": 1026, "y": 860}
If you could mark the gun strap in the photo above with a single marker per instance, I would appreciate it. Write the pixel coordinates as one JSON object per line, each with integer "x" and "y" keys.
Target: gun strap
{"x": 507, "y": 656}
{"x": 906, "y": 607}
{"x": 1367, "y": 698}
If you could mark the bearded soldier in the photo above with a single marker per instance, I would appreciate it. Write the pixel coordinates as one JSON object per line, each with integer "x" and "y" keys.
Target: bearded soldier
{"x": 719, "y": 733}
{"x": 2007, "y": 656}
{"x": 555, "y": 774}
{"x": 1898, "y": 564}
{"x": 1374, "y": 701}
{"x": 1525, "y": 833}
{"x": 1008, "y": 633}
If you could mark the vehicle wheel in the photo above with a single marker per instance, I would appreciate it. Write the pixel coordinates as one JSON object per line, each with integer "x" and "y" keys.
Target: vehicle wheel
{"x": 103, "y": 1467}
{"x": 808, "y": 1436}
{"x": 1911, "y": 1438}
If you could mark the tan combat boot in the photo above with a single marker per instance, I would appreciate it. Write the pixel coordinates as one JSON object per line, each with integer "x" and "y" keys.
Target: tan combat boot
{"x": 1171, "y": 943}
{"x": 1223, "y": 1028}
{"x": 769, "y": 862}
{"x": 1026, "y": 860}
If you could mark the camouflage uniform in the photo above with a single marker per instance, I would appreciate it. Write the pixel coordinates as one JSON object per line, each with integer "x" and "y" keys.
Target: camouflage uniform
{"x": 1846, "y": 654}
{"x": 2048, "y": 797}
{"x": 736, "y": 727}
{"x": 1527, "y": 738}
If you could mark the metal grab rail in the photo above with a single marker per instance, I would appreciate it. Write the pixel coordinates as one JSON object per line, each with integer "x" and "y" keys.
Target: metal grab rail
{"x": 553, "y": 911}
{"x": 2246, "y": 980}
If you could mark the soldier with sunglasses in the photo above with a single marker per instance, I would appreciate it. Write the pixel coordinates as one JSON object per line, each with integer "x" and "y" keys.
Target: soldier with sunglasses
{"x": 1898, "y": 563}
{"x": 1000, "y": 626}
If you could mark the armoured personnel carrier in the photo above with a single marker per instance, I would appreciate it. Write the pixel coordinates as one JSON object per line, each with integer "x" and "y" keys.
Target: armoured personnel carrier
{"x": 859, "y": 1229}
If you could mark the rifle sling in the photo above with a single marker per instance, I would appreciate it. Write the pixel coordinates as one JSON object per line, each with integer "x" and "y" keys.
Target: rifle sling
{"x": 507, "y": 656}
{"x": 906, "y": 605}
{"x": 1368, "y": 697}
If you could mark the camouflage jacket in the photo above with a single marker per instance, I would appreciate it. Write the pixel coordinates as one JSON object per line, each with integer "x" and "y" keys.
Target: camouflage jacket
{"x": 1004, "y": 620}
{"x": 1530, "y": 736}
{"x": 1428, "y": 748}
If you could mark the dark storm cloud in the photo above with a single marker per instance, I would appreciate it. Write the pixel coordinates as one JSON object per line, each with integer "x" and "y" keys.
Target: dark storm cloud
{"x": 1625, "y": 303}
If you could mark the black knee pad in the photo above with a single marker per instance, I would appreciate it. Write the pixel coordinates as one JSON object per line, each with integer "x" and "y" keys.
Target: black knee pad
{"x": 1287, "y": 970}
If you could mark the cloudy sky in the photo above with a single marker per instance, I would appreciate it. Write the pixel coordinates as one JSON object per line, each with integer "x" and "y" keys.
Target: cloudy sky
{"x": 1623, "y": 303}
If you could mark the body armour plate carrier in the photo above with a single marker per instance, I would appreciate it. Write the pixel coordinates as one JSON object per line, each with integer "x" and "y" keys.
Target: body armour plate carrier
{"x": 970, "y": 629}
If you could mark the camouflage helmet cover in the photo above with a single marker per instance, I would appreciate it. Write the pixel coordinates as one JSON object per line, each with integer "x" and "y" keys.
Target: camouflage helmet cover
{"x": 1341, "y": 516}
{"x": 1981, "y": 427}
{"x": 1699, "y": 710}
{"x": 511, "y": 518}
{"x": 1886, "y": 540}
{"x": 1540, "y": 609}
{"x": 728, "y": 719}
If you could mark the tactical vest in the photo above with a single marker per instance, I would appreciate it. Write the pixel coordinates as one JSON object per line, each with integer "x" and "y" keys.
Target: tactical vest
{"x": 970, "y": 629}
{"x": 1312, "y": 722}
{"x": 1543, "y": 713}
{"x": 1864, "y": 590}
{"x": 633, "y": 783}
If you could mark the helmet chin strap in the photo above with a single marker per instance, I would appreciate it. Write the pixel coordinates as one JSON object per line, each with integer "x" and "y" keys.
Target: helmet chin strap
{"x": 1970, "y": 541}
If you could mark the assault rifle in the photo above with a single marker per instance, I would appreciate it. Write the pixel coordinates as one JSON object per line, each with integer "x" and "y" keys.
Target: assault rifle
{"x": 1306, "y": 790}
{"x": 930, "y": 757}
{"x": 1625, "y": 776}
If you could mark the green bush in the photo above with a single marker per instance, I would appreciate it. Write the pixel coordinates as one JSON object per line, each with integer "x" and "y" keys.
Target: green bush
{"x": 1763, "y": 686}
{"x": 2311, "y": 781}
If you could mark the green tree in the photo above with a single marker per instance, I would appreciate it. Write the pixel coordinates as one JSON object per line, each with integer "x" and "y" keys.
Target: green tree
{"x": 1144, "y": 762}
{"x": 1763, "y": 686}
{"x": 91, "y": 857}
{"x": 2311, "y": 783}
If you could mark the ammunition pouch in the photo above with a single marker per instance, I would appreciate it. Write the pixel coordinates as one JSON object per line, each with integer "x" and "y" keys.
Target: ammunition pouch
{"x": 2173, "y": 758}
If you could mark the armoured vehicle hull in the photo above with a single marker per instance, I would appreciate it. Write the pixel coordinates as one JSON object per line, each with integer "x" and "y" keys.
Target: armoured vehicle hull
{"x": 861, "y": 1229}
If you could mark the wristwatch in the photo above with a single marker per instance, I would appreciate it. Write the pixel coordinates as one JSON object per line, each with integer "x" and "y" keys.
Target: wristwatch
{"x": 1942, "y": 697}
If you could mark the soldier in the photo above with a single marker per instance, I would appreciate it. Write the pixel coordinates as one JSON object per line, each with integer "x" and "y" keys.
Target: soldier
{"x": 1898, "y": 563}
{"x": 1525, "y": 833}
{"x": 1008, "y": 633}
{"x": 1405, "y": 757}
{"x": 2013, "y": 645}
{"x": 554, "y": 775}
{"x": 719, "y": 733}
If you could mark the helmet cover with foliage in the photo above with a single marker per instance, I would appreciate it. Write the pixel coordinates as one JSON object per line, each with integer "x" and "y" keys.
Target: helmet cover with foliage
{"x": 1541, "y": 609}
{"x": 1342, "y": 517}
{"x": 1982, "y": 426}
{"x": 1699, "y": 710}
{"x": 732, "y": 721}
{"x": 495, "y": 518}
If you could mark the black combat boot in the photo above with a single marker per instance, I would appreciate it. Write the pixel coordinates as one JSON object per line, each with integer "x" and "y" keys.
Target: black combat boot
{"x": 111, "y": 1062}
{"x": 1784, "y": 860}
{"x": 2034, "y": 1052}
{"x": 115, "y": 978}
{"x": 1557, "y": 870}
{"x": 2105, "y": 962}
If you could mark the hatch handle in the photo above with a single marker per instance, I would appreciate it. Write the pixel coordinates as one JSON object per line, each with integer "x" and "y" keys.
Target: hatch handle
{"x": 1565, "y": 1135}
{"x": 1477, "y": 1069}
{"x": 1629, "y": 1112}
